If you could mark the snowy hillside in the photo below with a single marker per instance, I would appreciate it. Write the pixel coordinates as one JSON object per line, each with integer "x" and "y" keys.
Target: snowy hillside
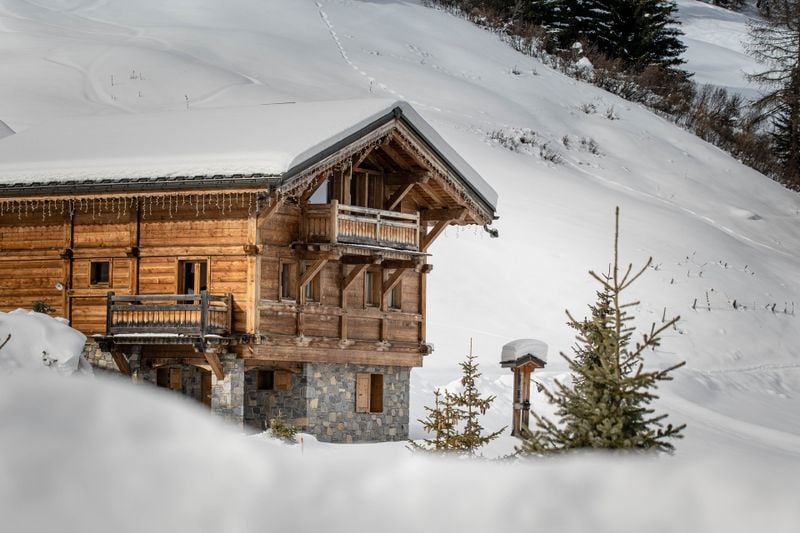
{"x": 718, "y": 231}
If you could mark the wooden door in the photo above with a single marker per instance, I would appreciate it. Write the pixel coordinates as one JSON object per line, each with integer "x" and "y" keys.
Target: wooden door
{"x": 205, "y": 387}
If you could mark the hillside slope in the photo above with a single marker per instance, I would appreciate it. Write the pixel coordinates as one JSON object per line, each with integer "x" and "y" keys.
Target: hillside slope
{"x": 717, "y": 231}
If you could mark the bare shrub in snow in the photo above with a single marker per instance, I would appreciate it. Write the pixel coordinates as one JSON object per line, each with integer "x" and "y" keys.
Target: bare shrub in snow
{"x": 550, "y": 155}
{"x": 589, "y": 108}
{"x": 590, "y": 145}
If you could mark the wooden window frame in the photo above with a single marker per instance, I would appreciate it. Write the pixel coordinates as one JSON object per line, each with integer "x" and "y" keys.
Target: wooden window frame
{"x": 170, "y": 377}
{"x": 369, "y": 393}
{"x": 180, "y": 280}
{"x": 312, "y": 292}
{"x": 394, "y": 298}
{"x": 273, "y": 380}
{"x": 92, "y": 281}
{"x": 375, "y": 290}
{"x": 265, "y": 380}
{"x": 292, "y": 281}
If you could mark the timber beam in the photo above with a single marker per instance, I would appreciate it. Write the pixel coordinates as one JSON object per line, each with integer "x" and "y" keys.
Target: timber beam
{"x": 392, "y": 282}
{"x": 265, "y": 215}
{"x": 362, "y": 259}
{"x": 431, "y": 215}
{"x": 214, "y": 363}
{"x": 352, "y": 275}
{"x": 121, "y": 361}
{"x": 309, "y": 274}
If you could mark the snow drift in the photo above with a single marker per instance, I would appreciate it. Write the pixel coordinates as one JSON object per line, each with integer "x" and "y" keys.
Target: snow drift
{"x": 37, "y": 341}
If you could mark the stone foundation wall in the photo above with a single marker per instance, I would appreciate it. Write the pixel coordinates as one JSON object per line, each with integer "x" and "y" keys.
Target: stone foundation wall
{"x": 332, "y": 416}
{"x": 191, "y": 380}
{"x": 260, "y": 406}
{"x": 98, "y": 358}
{"x": 227, "y": 395}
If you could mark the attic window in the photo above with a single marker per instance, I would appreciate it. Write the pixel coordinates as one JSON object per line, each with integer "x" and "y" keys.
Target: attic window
{"x": 99, "y": 272}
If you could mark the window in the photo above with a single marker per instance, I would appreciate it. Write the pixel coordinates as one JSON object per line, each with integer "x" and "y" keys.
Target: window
{"x": 265, "y": 380}
{"x": 274, "y": 380}
{"x": 372, "y": 288}
{"x": 192, "y": 276}
{"x": 311, "y": 290}
{"x": 169, "y": 378}
{"x": 369, "y": 393}
{"x": 393, "y": 297}
{"x": 288, "y": 281}
{"x": 99, "y": 272}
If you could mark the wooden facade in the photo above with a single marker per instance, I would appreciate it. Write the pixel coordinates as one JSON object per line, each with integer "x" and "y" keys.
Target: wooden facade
{"x": 327, "y": 263}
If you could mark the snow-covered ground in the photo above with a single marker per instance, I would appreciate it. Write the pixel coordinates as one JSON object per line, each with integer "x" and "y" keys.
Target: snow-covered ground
{"x": 718, "y": 232}
{"x": 715, "y": 41}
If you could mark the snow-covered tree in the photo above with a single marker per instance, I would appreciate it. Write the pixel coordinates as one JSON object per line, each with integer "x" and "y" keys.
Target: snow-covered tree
{"x": 775, "y": 42}
{"x": 607, "y": 404}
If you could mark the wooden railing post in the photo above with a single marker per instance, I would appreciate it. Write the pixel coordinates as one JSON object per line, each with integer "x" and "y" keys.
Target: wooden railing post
{"x": 109, "y": 302}
{"x": 203, "y": 313}
{"x": 334, "y": 221}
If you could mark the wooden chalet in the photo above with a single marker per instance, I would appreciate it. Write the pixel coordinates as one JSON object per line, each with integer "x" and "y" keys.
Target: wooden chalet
{"x": 267, "y": 261}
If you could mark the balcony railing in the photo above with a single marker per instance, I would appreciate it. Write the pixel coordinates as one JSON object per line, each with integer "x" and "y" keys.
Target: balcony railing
{"x": 189, "y": 315}
{"x": 349, "y": 224}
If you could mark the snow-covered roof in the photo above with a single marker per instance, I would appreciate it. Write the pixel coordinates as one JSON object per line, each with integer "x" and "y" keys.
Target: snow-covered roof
{"x": 5, "y": 131}
{"x": 515, "y": 350}
{"x": 268, "y": 140}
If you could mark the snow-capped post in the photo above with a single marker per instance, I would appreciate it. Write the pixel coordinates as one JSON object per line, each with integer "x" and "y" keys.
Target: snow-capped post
{"x": 522, "y": 356}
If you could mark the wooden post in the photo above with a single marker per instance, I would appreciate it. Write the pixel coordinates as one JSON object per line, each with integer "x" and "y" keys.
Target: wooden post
{"x": 109, "y": 303}
{"x": 203, "y": 313}
{"x": 334, "y": 221}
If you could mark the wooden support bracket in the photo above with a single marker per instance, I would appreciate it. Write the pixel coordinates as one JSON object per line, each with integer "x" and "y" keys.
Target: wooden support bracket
{"x": 309, "y": 274}
{"x": 351, "y": 277}
{"x": 392, "y": 282}
{"x": 121, "y": 361}
{"x": 214, "y": 363}
{"x": 431, "y": 215}
{"x": 270, "y": 211}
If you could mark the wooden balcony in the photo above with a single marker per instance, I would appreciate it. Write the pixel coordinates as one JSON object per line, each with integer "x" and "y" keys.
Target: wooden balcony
{"x": 168, "y": 316}
{"x": 349, "y": 224}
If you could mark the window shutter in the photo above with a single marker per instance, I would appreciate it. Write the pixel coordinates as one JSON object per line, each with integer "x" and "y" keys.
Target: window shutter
{"x": 376, "y": 393}
{"x": 283, "y": 380}
{"x": 175, "y": 378}
{"x": 362, "y": 393}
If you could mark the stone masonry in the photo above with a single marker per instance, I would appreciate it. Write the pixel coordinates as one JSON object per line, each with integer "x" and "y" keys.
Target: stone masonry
{"x": 260, "y": 406}
{"x": 227, "y": 395}
{"x": 332, "y": 416}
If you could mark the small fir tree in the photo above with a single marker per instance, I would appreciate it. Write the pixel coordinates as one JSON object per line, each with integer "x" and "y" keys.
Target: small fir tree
{"x": 441, "y": 421}
{"x": 454, "y": 418}
{"x": 471, "y": 406}
{"x": 607, "y": 405}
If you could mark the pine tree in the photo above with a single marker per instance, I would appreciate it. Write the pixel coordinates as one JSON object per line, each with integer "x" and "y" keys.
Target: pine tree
{"x": 641, "y": 33}
{"x": 775, "y": 42}
{"x": 470, "y": 406}
{"x": 607, "y": 405}
{"x": 441, "y": 421}
{"x": 454, "y": 418}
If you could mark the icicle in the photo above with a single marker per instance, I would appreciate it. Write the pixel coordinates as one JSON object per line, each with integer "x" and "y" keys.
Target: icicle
{"x": 203, "y": 198}
{"x": 196, "y": 207}
{"x": 250, "y": 205}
